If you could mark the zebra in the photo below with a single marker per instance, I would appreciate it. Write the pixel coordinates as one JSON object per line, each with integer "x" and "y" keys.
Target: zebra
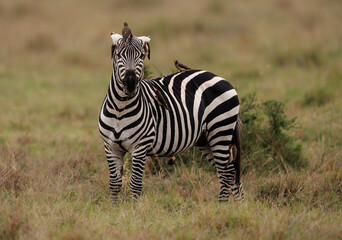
{"x": 202, "y": 111}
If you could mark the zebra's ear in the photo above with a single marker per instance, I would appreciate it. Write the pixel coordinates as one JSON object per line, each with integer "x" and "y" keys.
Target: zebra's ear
{"x": 146, "y": 44}
{"x": 115, "y": 39}
{"x": 147, "y": 50}
{"x": 113, "y": 50}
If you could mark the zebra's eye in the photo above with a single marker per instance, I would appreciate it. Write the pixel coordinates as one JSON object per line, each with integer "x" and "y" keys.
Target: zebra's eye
{"x": 142, "y": 55}
{"x": 118, "y": 54}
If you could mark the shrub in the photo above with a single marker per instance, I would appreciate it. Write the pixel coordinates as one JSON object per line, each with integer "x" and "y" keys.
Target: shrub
{"x": 267, "y": 144}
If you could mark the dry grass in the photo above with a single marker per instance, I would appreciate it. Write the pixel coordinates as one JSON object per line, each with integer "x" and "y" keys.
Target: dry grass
{"x": 54, "y": 70}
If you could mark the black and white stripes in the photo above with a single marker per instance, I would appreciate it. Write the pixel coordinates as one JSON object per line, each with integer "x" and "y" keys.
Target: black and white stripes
{"x": 202, "y": 111}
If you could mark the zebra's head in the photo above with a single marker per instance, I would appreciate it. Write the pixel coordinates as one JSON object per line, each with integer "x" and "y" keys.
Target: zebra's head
{"x": 128, "y": 53}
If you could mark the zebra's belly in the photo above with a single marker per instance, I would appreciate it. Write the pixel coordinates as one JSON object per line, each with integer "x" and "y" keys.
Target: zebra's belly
{"x": 167, "y": 145}
{"x": 164, "y": 153}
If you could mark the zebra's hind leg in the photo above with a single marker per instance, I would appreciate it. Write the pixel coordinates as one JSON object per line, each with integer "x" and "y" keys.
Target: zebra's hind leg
{"x": 237, "y": 191}
{"x": 226, "y": 178}
{"x": 115, "y": 163}
{"x": 224, "y": 171}
{"x": 237, "y": 188}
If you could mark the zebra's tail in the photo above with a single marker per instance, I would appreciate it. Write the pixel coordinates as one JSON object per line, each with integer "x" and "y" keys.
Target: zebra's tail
{"x": 237, "y": 143}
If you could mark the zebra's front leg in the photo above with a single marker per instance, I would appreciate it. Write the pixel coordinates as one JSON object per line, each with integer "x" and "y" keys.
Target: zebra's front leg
{"x": 115, "y": 163}
{"x": 138, "y": 166}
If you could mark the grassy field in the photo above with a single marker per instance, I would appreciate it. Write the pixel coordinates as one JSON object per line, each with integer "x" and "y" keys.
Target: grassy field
{"x": 55, "y": 68}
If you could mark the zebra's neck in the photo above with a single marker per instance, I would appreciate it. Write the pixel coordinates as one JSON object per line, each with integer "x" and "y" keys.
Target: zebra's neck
{"x": 117, "y": 97}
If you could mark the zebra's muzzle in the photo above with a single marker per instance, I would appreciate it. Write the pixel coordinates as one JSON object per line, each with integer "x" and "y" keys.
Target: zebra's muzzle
{"x": 130, "y": 82}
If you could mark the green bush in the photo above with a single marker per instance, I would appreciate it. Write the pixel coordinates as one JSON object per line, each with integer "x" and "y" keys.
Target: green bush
{"x": 266, "y": 143}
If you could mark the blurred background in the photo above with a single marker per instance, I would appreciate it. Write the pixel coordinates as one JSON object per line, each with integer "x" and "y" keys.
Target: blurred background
{"x": 55, "y": 66}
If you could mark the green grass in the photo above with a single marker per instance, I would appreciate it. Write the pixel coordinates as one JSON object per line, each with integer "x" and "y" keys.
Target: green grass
{"x": 55, "y": 68}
